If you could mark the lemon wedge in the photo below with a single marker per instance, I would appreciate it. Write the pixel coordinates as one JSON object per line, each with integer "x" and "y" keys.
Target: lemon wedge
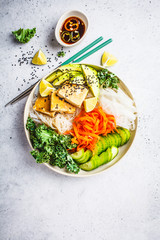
{"x": 90, "y": 103}
{"x": 108, "y": 59}
{"x": 39, "y": 58}
{"x": 45, "y": 88}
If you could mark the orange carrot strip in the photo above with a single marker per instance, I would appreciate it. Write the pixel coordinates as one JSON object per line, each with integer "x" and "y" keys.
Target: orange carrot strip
{"x": 88, "y": 126}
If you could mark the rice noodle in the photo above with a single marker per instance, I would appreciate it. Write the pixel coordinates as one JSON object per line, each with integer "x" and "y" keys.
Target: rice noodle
{"x": 113, "y": 102}
{"x": 120, "y": 105}
{"x": 61, "y": 121}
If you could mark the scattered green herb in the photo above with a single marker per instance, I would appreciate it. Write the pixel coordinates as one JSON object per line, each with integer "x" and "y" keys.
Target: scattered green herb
{"x": 50, "y": 147}
{"x": 24, "y": 35}
{"x": 108, "y": 79}
{"x": 61, "y": 54}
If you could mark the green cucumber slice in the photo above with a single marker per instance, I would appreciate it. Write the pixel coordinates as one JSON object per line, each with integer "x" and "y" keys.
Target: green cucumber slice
{"x": 77, "y": 155}
{"x": 87, "y": 155}
{"x": 123, "y": 135}
{"x": 91, "y": 164}
{"x": 114, "y": 152}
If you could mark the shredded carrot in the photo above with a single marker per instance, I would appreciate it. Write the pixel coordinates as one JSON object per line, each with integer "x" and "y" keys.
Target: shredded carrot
{"x": 88, "y": 126}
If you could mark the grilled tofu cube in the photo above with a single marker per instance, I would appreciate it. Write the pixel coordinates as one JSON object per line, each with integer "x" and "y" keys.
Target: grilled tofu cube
{"x": 60, "y": 105}
{"x": 72, "y": 93}
{"x": 42, "y": 105}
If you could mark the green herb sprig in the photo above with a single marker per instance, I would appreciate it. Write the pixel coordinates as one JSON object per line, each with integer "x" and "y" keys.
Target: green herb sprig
{"x": 107, "y": 79}
{"x": 61, "y": 54}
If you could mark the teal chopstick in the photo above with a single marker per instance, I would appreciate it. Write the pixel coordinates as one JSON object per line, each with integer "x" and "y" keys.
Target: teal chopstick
{"x": 82, "y": 51}
{"x": 93, "y": 51}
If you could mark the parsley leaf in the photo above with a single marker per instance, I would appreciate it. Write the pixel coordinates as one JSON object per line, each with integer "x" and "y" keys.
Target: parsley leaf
{"x": 107, "y": 79}
{"x": 24, "y": 35}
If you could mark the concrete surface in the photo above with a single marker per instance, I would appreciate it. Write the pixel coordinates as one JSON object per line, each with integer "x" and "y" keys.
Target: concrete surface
{"x": 123, "y": 203}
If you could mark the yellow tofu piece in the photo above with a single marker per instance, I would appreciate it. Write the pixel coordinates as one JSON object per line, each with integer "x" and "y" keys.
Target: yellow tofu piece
{"x": 42, "y": 105}
{"x": 60, "y": 105}
{"x": 72, "y": 93}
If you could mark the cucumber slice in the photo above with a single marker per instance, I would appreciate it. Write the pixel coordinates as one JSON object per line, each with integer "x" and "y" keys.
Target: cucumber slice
{"x": 87, "y": 155}
{"x": 118, "y": 139}
{"x": 108, "y": 142}
{"x": 127, "y": 133}
{"x": 96, "y": 161}
{"x": 106, "y": 156}
{"x": 114, "y": 152}
{"x": 123, "y": 135}
{"x": 103, "y": 142}
{"x": 77, "y": 155}
{"x": 98, "y": 148}
{"x": 54, "y": 75}
{"x": 91, "y": 164}
{"x": 61, "y": 79}
{"x": 113, "y": 140}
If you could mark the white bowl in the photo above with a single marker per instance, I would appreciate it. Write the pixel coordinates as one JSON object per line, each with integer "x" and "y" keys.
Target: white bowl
{"x": 122, "y": 149}
{"x": 66, "y": 15}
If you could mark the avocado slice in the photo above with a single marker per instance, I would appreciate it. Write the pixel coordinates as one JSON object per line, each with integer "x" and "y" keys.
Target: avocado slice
{"x": 70, "y": 67}
{"x": 91, "y": 79}
{"x": 54, "y": 75}
{"x": 76, "y": 78}
{"x": 61, "y": 79}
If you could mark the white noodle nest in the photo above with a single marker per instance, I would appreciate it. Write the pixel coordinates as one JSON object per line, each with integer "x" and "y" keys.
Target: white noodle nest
{"x": 120, "y": 105}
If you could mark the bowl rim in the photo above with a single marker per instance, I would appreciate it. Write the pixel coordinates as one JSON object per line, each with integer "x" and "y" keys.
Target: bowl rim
{"x": 60, "y": 22}
{"x": 90, "y": 173}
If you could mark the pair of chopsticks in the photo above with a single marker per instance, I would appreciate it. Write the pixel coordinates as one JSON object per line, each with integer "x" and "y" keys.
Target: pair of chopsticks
{"x": 74, "y": 59}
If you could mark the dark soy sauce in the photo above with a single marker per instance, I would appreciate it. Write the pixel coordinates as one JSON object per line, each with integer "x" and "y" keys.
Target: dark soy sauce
{"x": 72, "y": 30}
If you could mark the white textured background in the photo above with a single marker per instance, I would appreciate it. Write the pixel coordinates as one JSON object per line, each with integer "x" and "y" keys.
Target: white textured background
{"x": 122, "y": 203}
